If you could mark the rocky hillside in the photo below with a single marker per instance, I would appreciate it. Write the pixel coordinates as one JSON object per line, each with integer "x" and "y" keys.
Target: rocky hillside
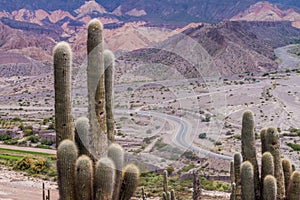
{"x": 229, "y": 48}
{"x": 265, "y": 11}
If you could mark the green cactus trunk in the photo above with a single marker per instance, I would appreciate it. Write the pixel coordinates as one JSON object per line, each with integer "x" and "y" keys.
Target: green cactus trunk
{"x": 273, "y": 146}
{"x": 84, "y": 178}
{"x": 96, "y": 89}
{"x": 62, "y": 60}
{"x": 104, "y": 179}
{"x": 82, "y": 128}
{"x": 270, "y": 188}
{"x": 294, "y": 186}
{"x": 66, "y": 160}
{"x": 248, "y": 148}
{"x": 109, "y": 65}
{"x": 247, "y": 181}
{"x": 237, "y": 169}
{"x": 116, "y": 153}
{"x": 130, "y": 182}
{"x": 264, "y": 144}
{"x": 287, "y": 172}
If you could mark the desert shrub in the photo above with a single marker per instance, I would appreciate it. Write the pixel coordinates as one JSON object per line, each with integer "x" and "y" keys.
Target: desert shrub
{"x": 202, "y": 135}
{"x": 5, "y": 137}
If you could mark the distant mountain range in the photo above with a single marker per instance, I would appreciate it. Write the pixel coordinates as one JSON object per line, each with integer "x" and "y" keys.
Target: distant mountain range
{"x": 30, "y": 29}
{"x": 155, "y": 12}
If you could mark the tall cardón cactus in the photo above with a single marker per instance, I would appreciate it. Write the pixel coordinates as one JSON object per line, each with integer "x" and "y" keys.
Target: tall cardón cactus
{"x": 248, "y": 147}
{"x": 98, "y": 173}
{"x": 96, "y": 88}
{"x": 62, "y": 60}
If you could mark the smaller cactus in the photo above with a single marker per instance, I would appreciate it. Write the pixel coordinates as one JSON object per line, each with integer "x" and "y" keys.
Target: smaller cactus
{"x": 263, "y": 133}
{"x": 294, "y": 186}
{"x": 130, "y": 181}
{"x": 237, "y": 168}
{"x": 270, "y": 188}
{"x": 143, "y": 194}
{"x": 173, "y": 197}
{"x": 66, "y": 158}
{"x": 104, "y": 179}
{"x": 165, "y": 181}
{"x": 84, "y": 178}
{"x": 287, "y": 171}
{"x": 116, "y": 153}
{"x": 247, "y": 181}
{"x": 82, "y": 136}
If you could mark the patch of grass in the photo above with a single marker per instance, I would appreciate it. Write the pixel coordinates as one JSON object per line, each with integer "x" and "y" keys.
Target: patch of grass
{"x": 295, "y": 147}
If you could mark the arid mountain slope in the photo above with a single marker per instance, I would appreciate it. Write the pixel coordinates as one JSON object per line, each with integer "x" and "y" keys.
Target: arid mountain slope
{"x": 233, "y": 48}
{"x": 265, "y": 11}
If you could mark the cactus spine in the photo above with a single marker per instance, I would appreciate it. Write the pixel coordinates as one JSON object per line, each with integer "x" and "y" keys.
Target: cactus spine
{"x": 84, "y": 178}
{"x": 104, "y": 179}
{"x": 270, "y": 188}
{"x": 66, "y": 159}
{"x": 130, "y": 182}
{"x": 109, "y": 65}
{"x": 273, "y": 146}
{"x": 247, "y": 181}
{"x": 287, "y": 172}
{"x": 96, "y": 88}
{"x": 62, "y": 60}
{"x": 294, "y": 186}
{"x": 248, "y": 147}
{"x": 116, "y": 153}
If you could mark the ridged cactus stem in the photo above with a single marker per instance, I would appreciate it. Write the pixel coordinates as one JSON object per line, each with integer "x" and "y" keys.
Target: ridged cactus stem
{"x": 165, "y": 181}
{"x": 104, "y": 179}
{"x": 109, "y": 65}
{"x": 287, "y": 172}
{"x": 62, "y": 60}
{"x": 84, "y": 178}
{"x": 82, "y": 128}
{"x": 248, "y": 147}
{"x": 143, "y": 193}
{"x": 232, "y": 177}
{"x": 196, "y": 186}
{"x": 263, "y": 133}
{"x": 267, "y": 167}
{"x": 247, "y": 181}
{"x": 116, "y": 153}
{"x": 173, "y": 196}
{"x": 96, "y": 89}
{"x": 273, "y": 146}
{"x": 294, "y": 186}
{"x": 270, "y": 188}
{"x": 67, "y": 154}
{"x": 237, "y": 169}
{"x": 130, "y": 182}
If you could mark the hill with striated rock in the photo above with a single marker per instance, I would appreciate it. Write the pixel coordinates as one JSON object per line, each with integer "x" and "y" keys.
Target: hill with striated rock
{"x": 233, "y": 47}
{"x": 265, "y": 11}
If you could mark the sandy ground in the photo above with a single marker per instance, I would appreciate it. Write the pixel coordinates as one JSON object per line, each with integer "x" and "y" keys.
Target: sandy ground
{"x": 17, "y": 186}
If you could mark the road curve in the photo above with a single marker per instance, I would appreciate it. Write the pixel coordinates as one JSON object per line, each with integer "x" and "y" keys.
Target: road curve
{"x": 183, "y": 133}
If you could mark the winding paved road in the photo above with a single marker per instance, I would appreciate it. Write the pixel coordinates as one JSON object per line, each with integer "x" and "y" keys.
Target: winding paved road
{"x": 184, "y": 132}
